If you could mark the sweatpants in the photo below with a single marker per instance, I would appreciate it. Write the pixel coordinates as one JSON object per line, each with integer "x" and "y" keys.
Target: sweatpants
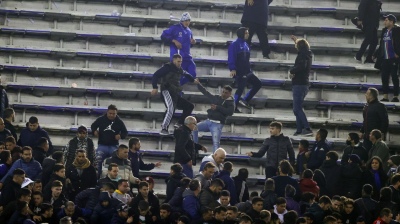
{"x": 173, "y": 101}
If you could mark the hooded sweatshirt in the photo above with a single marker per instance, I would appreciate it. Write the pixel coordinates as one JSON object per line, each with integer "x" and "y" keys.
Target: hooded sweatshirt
{"x": 309, "y": 185}
{"x": 30, "y": 138}
{"x": 108, "y": 129}
{"x": 191, "y": 204}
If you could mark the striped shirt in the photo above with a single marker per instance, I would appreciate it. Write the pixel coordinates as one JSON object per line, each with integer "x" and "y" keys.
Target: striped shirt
{"x": 388, "y": 49}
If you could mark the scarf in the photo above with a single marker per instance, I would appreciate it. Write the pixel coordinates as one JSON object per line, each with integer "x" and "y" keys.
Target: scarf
{"x": 377, "y": 179}
{"x": 78, "y": 166}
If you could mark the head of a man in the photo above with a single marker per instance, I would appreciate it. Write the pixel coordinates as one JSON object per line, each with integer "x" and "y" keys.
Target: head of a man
{"x": 257, "y": 203}
{"x": 123, "y": 151}
{"x": 69, "y": 208}
{"x": 112, "y": 171}
{"x": 216, "y": 186}
{"x": 43, "y": 143}
{"x": 195, "y": 186}
{"x": 33, "y": 123}
{"x": 225, "y": 198}
{"x": 245, "y": 219}
{"x": 243, "y": 33}
{"x": 59, "y": 170}
{"x": 371, "y": 95}
{"x": 112, "y": 112}
{"x": 82, "y": 132}
{"x": 134, "y": 144}
{"x": 123, "y": 186}
{"x": 352, "y": 139}
{"x": 47, "y": 210}
{"x": 337, "y": 204}
{"x": 375, "y": 135}
{"x": 220, "y": 213}
{"x": 208, "y": 170}
{"x": 24, "y": 195}
{"x": 349, "y": 206}
{"x": 275, "y": 128}
{"x": 56, "y": 188}
{"x": 37, "y": 198}
{"x": 231, "y": 213}
{"x": 80, "y": 156}
{"x": 2, "y": 125}
{"x": 144, "y": 189}
{"x": 325, "y": 203}
{"x": 177, "y": 60}
{"x": 390, "y": 21}
{"x": 26, "y": 154}
{"x": 321, "y": 135}
{"x": 165, "y": 211}
{"x": 226, "y": 92}
{"x": 10, "y": 143}
{"x": 9, "y": 114}
{"x": 280, "y": 205}
{"x": 219, "y": 156}
{"x": 107, "y": 187}
{"x": 185, "y": 19}
{"x": 18, "y": 176}
{"x": 191, "y": 122}
{"x": 207, "y": 213}
{"x": 144, "y": 207}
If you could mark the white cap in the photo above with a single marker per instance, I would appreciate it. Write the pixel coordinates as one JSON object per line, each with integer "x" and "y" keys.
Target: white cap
{"x": 26, "y": 182}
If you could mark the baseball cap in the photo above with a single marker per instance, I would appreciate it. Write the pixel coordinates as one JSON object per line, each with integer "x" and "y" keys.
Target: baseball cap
{"x": 391, "y": 17}
{"x": 26, "y": 182}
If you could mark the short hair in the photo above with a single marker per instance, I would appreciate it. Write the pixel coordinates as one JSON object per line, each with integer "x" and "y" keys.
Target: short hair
{"x": 302, "y": 45}
{"x": 122, "y": 146}
{"x": 285, "y": 166}
{"x": 265, "y": 214}
{"x": 18, "y": 171}
{"x": 58, "y": 156}
{"x": 208, "y": 166}
{"x": 228, "y": 166}
{"x": 245, "y": 218}
{"x": 217, "y": 183}
{"x": 395, "y": 178}
{"x": 194, "y": 184}
{"x": 23, "y": 192}
{"x": 355, "y": 137}
{"x": 33, "y": 120}
{"x": 166, "y": 207}
{"x": 256, "y": 199}
{"x": 4, "y": 155}
{"x": 143, "y": 184}
{"x": 325, "y": 200}
{"x": 176, "y": 56}
{"x": 108, "y": 185}
{"x": 240, "y": 32}
{"x": 220, "y": 209}
{"x": 112, "y": 107}
{"x": 301, "y": 220}
{"x": 309, "y": 215}
{"x": 329, "y": 219}
{"x": 69, "y": 204}
{"x": 232, "y": 208}
{"x": 333, "y": 155}
{"x": 349, "y": 201}
{"x": 243, "y": 173}
{"x": 374, "y": 92}
{"x": 323, "y": 133}
{"x": 42, "y": 141}
{"x": 308, "y": 173}
{"x": 307, "y": 196}
{"x": 385, "y": 212}
{"x": 269, "y": 185}
{"x": 177, "y": 168}
{"x": 184, "y": 182}
{"x": 56, "y": 183}
{"x": 10, "y": 139}
{"x": 143, "y": 205}
{"x": 276, "y": 124}
{"x": 385, "y": 194}
{"x": 376, "y": 133}
{"x": 80, "y": 151}
{"x": 305, "y": 143}
{"x": 58, "y": 167}
{"x": 227, "y": 87}
{"x": 21, "y": 205}
{"x": 111, "y": 165}
{"x": 280, "y": 200}
{"x": 290, "y": 217}
{"x": 8, "y": 112}
{"x": 37, "y": 193}
{"x": 133, "y": 141}
{"x": 336, "y": 198}
{"x": 26, "y": 148}
{"x": 204, "y": 210}
{"x": 45, "y": 207}
{"x": 120, "y": 181}
{"x": 225, "y": 193}
{"x": 290, "y": 191}
{"x": 367, "y": 189}
{"x": 65, "y": 220}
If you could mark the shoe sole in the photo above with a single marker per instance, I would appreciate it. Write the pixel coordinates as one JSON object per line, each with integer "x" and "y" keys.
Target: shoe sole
{"x": 357, "y": 60}
{"x": 165, "y": 134}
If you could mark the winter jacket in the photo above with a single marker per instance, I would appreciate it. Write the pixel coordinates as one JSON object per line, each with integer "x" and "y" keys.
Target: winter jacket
{"x": 369, "y": 12}
{"x": 86, "y": 180}
{"x": 318, "y": 213}
{"x": 256, "y": 13}
{"x": 75, "y": 144}
{"x": 31, "y": 138}
{"x": 171, "y": 76}
{"x": 153, "y": 203}
{"x": 137, "y": 163}
{"x": 331, "y": 171}
{"x": 11, "y": 128}
{"x": 301, "y": 163}
{"x": 225, "y": 107}
{"x": 191, "y": 205}
{"x": 244, "y": 206}
{"x": 32, "y": 169}
{"x": 48, "y": 164}
{"x": 269, "y": 199}
{"x": 116, "y": 219}
{"x": 53, "y": 177}
{"x": 173, "y": 182}
{"x": 108, "y": 180}
{"x": 124, "y": 165}
{"x": 18, "y": 218}
{"x": 210, "y": 158}
{"x": 282, "y": 181}
{"x": 301, "y": 68}
{"x": 176, "y": 200}
{"x": 57, "y": 204}
{"x": 375, "y": 117}
{"x": 183, "y": 35}
{"x": 229, "y": 185}
{"x": 350, "y": 218}
{"x": 242, "y": 190}
{"x": 351, "y": 180}
{"x": 388, "y": 204}
{"x": 358, "y": 150}
{"x": 309, "y": 185}
{"x": 9, "y": 192}
{"x": 366, "y": 206}
{"x": 208, "y": 198}
{"x": 203, "y": 181}
{"x": 395, "y": 195}
{"x": 4, "y": 134}
{"x": 123, "y": 197}
{"x": 381, "y": 150}
{"x": 88, "y": 198}
{"x": 369, "y": 178}
{"x": 317, "y": 155}
{"x": 102, "y": 214}
{"x": 239, "y": 57}
{"x": 38, "y": 154}
{"x": 185, "y": 147}
{"x": 278, "y": 148}
{"x": 109, "y": 129}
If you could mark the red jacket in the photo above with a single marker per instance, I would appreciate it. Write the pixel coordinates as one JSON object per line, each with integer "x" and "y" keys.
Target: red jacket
{"x": 379, "y": 221}
{"x": 309, "y": 185}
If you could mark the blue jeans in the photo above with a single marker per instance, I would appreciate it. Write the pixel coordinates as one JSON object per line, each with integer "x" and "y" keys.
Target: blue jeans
{"x": 187, "y": 170}
{"x": 299, "y": 93}
{"x": 102, "y": 153}
{"x": 209, "y": 126}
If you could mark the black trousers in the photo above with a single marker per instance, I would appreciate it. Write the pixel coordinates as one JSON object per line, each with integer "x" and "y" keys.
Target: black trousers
{"x": 262, "y": 35}
{"x": 173, "y": 101}
{"x": 389, "y": 69}
{"x": 370, "y": 39}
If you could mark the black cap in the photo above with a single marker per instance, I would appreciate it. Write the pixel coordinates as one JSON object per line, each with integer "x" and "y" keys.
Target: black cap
{"x": 391, "y": 17}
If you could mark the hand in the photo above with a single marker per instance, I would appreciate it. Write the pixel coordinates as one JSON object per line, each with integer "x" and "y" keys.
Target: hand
{"x": 196, "y": 81}
{"x": 192, "y": 41}
{"x": 294, "y": 38}
{"x": 157, "y": 164}
{"x": 249, "y": 154}
{"x": 177, "y": 44}
{"x": 154, "y": 92}
{"x": 373, "y": 57}
{"x": 233, "y": 73}
{"x": 359, "y": 22}
{"x": 250, "y": 2}
{"x": 117, "y": 137}
{"x": 154, "y": 218}
{"x": 129, "y": 220}
{"x": 190, "y": 163}
{"x": 37, "y": 218}
{"x": 213, "y": 107}
{"x": 204, "y": 149}
{"x": 137, "y": 180}
{"x": 95, "y": 133}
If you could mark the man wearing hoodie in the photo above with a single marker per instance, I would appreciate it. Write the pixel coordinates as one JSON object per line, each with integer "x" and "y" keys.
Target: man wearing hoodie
{"x": 280, "y": 208}
{"x": 222, "y": 106}
{"x": 191, "y": 202}
{"x": 104, "y": 209}
{"x": 136, "y": 159}
{"x": 145, "y": 195}
{"x": 89, "y": 198}
{"x": 80, "y": 141}
{"x": 354, "y": 147}
{"x": 31, "y": 133}
{"x": 225, "y": 176}
{"x": 320, "y": 209}
{"x": 109, "y": 128}
{"x": 122, "y": 192}
{"x": 307, "y": 184}
{"x": 278, "y": 148}
{"x": 318, "y": 152}
{"x": 240, "y": 69}
{"x": 173, "y": 181}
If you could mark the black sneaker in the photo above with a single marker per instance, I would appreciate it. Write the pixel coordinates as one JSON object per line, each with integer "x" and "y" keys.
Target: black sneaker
{"x": 357, "y": 59}
{"x": 244, "y": 103}
{"x": 164, "y": 132}
{"x": 238, "y": 111}
{"x": 384, "y": 100}
{"x": 395, "y": 100}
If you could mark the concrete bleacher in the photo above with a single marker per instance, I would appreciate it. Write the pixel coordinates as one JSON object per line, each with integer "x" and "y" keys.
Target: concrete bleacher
{"x": 66, "y": 61}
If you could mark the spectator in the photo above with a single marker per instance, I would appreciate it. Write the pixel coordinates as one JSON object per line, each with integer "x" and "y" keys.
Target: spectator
{"x": 217, "y": 158}
{"x": 121, "y": 193}
{"x": 31, "y": 167}
{"x": 354, "y": 147}
{"x": 144, "y": 195}
{"x": 330, "y": 219}
{"x": 319, "y": 150}
{"x": 284, "y": 179}
{"x": 81, "y": 174}
{"x": 209, "y": 196}
{"x": 144, "y": 216}
{"x": 375, "y": 176}
{"x": 331, "y": 170}
{"x": 35, "y": 205}
{"x": 191, "y": 201}
{"x": 242, "y": 190}
{"x": 319, "y": 178}
{"x": 173, "y": 181}
{"x": 280, "y": 208}
{"x": 71, "y": 210}
{"x": 89, "y": 198}
{"x": 307, "y": 184}
{"x": 265, "y": 217}
{"x": 301, "y": 220}
{"x": 379, "y": 148}
{"x": 6, "y": 162}
{"x": 393, "y": 164}
{"x": 170, "y": 73}
{"x": 225, "y": 176}
{"x": 165, "y": 214}
{"x": 206, "y": 216}
{"x": 290, "y": 217}
{"x": 66, "y": 220}
{"x": 385, "y": 217}
{"x": 136, "y": 159}
{"x": 278, "y": 147}
{"x": 231, "y": 215}
{"x": 366, "y": 205}
{"x": 222, "y": 106}
{"x": 301, "y": 159}
{"x": 256, "y": 207}
{"x": 150, "y": 181}
{"x": 307, "y": 199}
{"x": 11, "y": 144}
{"x": 48, "y": 164}
{"x": 112, "y": 175}
{"x": 185, "y": 148}
{"x": 385, "y": 201}
{"x": 245, "y": 206}
{"x": 219, "y": 215}
{"x": 21, "y": 215}
{"x": 183, "y": 219}
{"x": 58, "y": 174}
{"x": 176, "y": 201}
{"x": 269, "y": 194}
{"x": 37, "y": 185}
{"x": 109, "y": 128}
{"x": 319, "y": 209}
{"x": 351, "y": 177}
{"x": 40, "y": 150}
{"x": 245, "y": 219}
{"x": 22, "y": 195}
{"x": 121, "y": 217}
{"x": 375, "y": 117}
{"x": 32, "y": 133}
{"x": 309, "y": 217}
{"x": 4, "y": 132}
{"x": 224, "y": 198}
{"x": 46, "y": 213}
{"x": 57, "y": 199}
{"x": 80, "y": 141}
{"x": 388, "y": 57}
{"x": 395, "y": 185}
{"x": 204, "y": 177}
{"x": 9, "y": 117}
{"x": 240, "y": 69}
{"x": 349, "y": 214}
{"x": 291, "y": 204}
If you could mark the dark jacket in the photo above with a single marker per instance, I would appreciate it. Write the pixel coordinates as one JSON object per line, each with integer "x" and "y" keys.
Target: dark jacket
{"x": 73, "y": 145}
{"x": 291, "y": 204}
{"x": 79, "y": 183}
{"x": 244, "y": 206}
{"x": 30, "y": 138}
{"x": 57, "y": 204}
{"x": 185, "y": 147}
{"x": 18, "y": 218}
{"x": 11, "y": 128}
{"x": 4, "y": 134}
{"x": 331, "y": 171}
{"x": 396, "y": 42}
{"x": 350, "y": 218}
{"x": 38, "y": 154}
{"x": 366, "y": 206}
{"x": 102, "y": 214}
{"x": 208, "y": 198}
{"x": 4, "y": 169}
{"x": 395, "y": 195}
{"x": 171, "y": 76}
{"x": 88, "y": 198}
{"x": 53, "y": 177}
{"x": 269, "y": 199}
{"x": 369, "y": 178}
{"x": 256, "y": 13}
{"x": 78, "y": 213}
{"x": 301, "y": 163}
{"x": 375, "y": 117}
{"x": 153, "y": 203}
{"x": 301, "y": 68}
{"x": 318, "y": 213}
{"x": 253, "y": 214}
{"x": 239, "y": 57}
{"x": 48, "y": 164}
{"x": 358, "y": 150}
{"x": 242, "y": 190}
{"x": 351, "y": 180}
{"x": 116, "y": 219}
{"x": 225, "y": 107}
{"x": 191, "y": 205}
{"x": 282, "y": 181}
{"x": 3, "y": 101}
{"x": 109, "y": 129}
{"x": 278, "y": 148}
{"x": 229, "y": 185}
{"x": 317, "y": 155}
{"x": 176, "y": 200}
{"x": 173, "y": 182}
{"x": 9, "y": 192}
{"x": 107, "y": 180}
{"x": 369, "y": 12}
{"x": 381, "y": 150}
{"x": 137, "y": 163}
{"x": 32, "y": 169}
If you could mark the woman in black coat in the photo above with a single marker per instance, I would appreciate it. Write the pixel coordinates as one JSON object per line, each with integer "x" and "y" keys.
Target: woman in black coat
{"x": 375, "y": 176}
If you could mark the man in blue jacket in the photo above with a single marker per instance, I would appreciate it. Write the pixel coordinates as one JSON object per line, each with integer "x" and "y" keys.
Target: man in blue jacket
{"x": 32, "y": 133}
{"x": 318, "y": 152}
{"x": 239, "y": 65}
{"x": 225, "y": 175}
{"x": 136, "y": 159}
{"x": 191, "y": 202}
{"x": 180, "y": 38}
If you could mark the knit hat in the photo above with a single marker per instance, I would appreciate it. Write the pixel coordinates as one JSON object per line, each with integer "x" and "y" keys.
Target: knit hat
{"x": 395, "y": 160}
{"x": 185, "y": 17}
{"x": 355, "y": 158}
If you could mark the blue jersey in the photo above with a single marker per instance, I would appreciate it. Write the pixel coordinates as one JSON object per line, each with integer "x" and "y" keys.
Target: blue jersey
{"x": 239, "y": 57}
{"x": 388, "y": 48}
{"x": 183, "y": 35}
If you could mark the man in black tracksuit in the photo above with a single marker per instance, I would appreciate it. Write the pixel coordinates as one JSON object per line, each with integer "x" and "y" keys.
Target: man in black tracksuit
{"x": 375, "y": 117}
{"x": 171, "y": 73}
{"x": 368, "y": 19}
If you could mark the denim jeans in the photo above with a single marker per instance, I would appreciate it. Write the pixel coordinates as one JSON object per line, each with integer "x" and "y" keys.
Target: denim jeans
{"x": 299, "y": 93}
{"x": 209, "y": 126}
{"x": 102, "y": 153}
{"x": 187, "y": 170}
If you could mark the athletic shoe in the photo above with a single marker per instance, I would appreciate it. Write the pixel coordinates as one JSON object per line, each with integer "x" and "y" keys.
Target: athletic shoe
{"x": 306, "y": 132}
{"x": 243, "y": 103}
{"x": 357, "y": 59}
{"x": 164, "y": 132}
{"x": 395, "y": 100}
{"x": 384, "y": 100}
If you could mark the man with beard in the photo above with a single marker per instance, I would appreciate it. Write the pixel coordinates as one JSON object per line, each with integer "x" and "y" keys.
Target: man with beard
{"x": 354, "y": 147}
{"x": 57, "y": 199}
{"x": 112, "y": 176}
{"x": 80, "y": 141}
{"x": 209, "y": 196}
{"x": 39, "y": 152}
{"x": 136, "y": 159}
{"x": 144, "y": 195}
{"x": 10, "y": 191}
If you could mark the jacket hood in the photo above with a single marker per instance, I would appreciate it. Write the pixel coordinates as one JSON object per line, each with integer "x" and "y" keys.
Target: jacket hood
{"x": 329, "y": 163}
{"x": 188, "y": 192}
{"x": 104, "y": 196}
{"x": 176, "y": 177}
